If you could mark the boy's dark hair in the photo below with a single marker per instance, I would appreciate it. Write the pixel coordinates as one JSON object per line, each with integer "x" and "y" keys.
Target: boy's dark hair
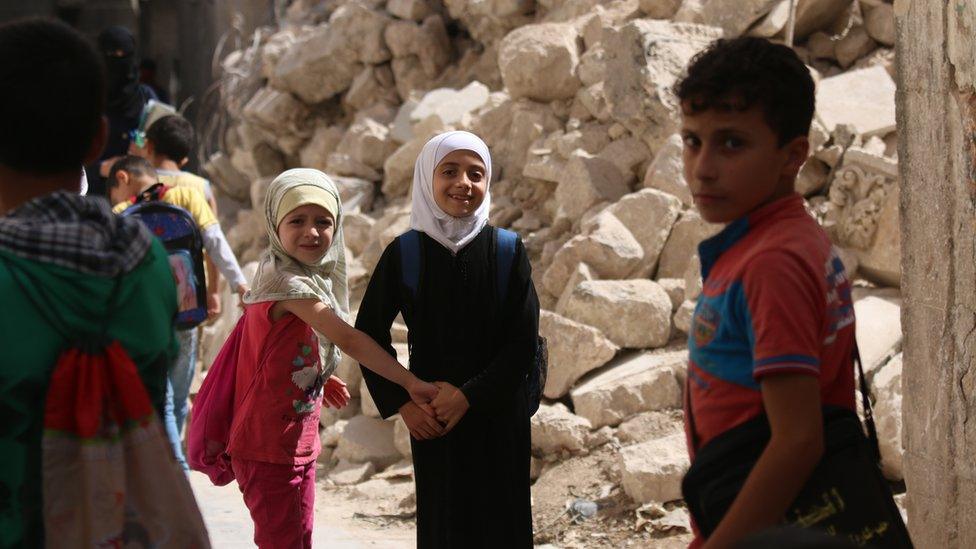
{"x": 132, "y": 165}
{"x": 735, "y": 74}
{"x": 172, "y": 137}
{"x": 52, "y": 96}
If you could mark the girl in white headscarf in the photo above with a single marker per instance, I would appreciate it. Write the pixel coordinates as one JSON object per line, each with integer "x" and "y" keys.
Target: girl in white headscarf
{"x": 292, "y": 331}
{"x": 472, "y": 324}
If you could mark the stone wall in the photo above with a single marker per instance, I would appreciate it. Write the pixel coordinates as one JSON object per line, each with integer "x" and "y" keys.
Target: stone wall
{"x": 937, "y": 127}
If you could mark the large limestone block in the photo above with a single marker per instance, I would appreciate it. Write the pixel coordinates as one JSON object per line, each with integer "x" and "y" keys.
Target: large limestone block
{"x": 371, "y": 86}
{"x": 632, "y": 383}
{"x": 539, "y": 62}
{"x": 427, "y": 44}
{"x": 589, "y": 180}
{"x": 682, "y": 317}
{"x": 315, "y": 153}
{"x": 366, "y": 439}
{"x": 606, "y": 245}
{"x": 649, "y": 214}
{"x": 401, "y": 438}
{"x": 881, "y": 262}
{"x": 651, "y": 425}
{"x": 631, "y": 313}
{"x": 853, "y": 46}
{"x": 879, "y": 21}
{"x": 412, "y": 10}
{"x": 815, "y": 15}
{"x": 862, "y": 213}
{"x": 555, "y": 429}
{"x": 451, "y": 105}
{"x": 682, "y": 244}
{"x": 347, "y": 472}
{"x": 579, "y": 274}
{"x": 660, "y": 9}
{"x": 652, "y": 470}
{"x": 864, "y": 98}
{"x": 325, "y": 62}
{"x": 878, "y": 314}
{"x": 734, "y": 20}
{"x": 666, "y": 171}
{"x": 357, "y": 228}
{"x": 627, "y": 153}
{"x": 509, "y": 127}
{"x": 278, "y": 112}
{"x": 574, "y": 350}
{"x": 646, "y": 57}
{"x": 398, "y": 167}
{"x": 887, "y": 391}
{"x": 369, "y": 142}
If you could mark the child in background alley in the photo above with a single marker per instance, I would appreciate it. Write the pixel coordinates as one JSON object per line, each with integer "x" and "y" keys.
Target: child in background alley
{"x": 167, "y": 145}
{"x": 293, "y": 329}
{"x": 129, "y": 177}
{"x": 471, "y": 457}
{"x": 68, "y": 250}
{"x": 773, "y": 331}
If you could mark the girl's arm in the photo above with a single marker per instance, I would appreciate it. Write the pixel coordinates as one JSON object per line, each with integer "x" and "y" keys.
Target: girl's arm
{"x": 359, "y": 346}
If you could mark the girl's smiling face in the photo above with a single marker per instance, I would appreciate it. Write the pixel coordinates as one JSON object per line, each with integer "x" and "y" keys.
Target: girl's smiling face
{"x": 460, "y": 183}
{"x": 306, "y": 233}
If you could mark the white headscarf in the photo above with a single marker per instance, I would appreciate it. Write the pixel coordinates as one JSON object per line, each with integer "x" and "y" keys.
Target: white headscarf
{"x": 280, "y": 277}
{"x": 426, "y": 216}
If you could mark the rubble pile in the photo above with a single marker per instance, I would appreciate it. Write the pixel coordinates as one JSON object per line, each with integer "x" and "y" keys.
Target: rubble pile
{"x": 573, "y": 98}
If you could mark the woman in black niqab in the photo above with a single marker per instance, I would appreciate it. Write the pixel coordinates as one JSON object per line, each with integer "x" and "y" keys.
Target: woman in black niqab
{"x": 124, "y": 102}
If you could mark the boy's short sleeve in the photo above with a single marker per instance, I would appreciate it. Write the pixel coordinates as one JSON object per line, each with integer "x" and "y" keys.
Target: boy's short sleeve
{"x": 786, "y": 306}
{"x": 193, "y": 201}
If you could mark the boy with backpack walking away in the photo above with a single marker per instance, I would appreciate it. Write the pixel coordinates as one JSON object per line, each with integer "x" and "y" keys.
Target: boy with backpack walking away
{"x": 131, "y": 184}
{"x": 769, "y": 410}
{"x": 78, "y": 283}
{"x": 474, "y": 325}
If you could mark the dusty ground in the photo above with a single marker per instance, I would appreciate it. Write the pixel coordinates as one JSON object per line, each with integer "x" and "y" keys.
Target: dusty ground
{"x": 230, "y": 525}
{"x": 379, "y": 513}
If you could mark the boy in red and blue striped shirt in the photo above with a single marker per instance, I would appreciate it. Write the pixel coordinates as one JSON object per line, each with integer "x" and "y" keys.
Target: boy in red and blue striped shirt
{"x": 773, "y": 331}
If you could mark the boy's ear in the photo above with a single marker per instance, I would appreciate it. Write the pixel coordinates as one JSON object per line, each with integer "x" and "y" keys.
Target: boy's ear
{"x": 122, "y": 178}
{"x": 184, "y": 161}
{"x": 797, "y": 152}
{"x": 98, "y": 142}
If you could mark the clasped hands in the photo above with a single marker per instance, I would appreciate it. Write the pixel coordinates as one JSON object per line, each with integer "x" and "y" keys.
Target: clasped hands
{"x": 436, "y": 417}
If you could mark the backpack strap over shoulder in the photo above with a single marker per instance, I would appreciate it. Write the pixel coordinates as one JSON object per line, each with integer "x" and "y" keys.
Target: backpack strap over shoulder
{"x": 505, "y": 242}
{"x": 410, "y": 260}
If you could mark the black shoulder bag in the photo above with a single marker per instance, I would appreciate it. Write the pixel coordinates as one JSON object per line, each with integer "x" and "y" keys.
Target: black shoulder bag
{"x": 846, "y": 495}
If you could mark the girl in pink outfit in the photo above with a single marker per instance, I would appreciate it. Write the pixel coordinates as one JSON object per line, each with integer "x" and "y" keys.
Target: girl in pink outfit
{"x": 292, "y": 330}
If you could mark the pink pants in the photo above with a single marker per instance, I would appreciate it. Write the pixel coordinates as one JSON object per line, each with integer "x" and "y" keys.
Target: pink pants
{"x": 281, "y": 499}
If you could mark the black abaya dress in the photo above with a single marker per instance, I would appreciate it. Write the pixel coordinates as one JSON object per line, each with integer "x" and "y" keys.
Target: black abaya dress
{"x": 472, "y": 483}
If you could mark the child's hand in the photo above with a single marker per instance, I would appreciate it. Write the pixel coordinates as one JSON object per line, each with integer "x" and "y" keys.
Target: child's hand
{"x": 420, "y": 391}
{"x": 334, "y": 393}
{"x": 450, "y": 405}
{"x": 420, "y": 421}
{"x": 213, "y": 305}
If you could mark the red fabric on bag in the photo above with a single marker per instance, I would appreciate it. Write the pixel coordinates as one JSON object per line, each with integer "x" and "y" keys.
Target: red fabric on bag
{"x": 213, "y": 413}
{"x": 78, "y": 397}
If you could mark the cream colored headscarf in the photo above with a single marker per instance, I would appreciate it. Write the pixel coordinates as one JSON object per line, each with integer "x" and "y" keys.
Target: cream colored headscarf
{"x": 280, "y": 277}
{"x": 426, "y": 216}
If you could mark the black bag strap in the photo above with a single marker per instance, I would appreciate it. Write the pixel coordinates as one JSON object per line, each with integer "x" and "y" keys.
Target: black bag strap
{"x": 151, "y": 194}
{"x": 872, "y": 432}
